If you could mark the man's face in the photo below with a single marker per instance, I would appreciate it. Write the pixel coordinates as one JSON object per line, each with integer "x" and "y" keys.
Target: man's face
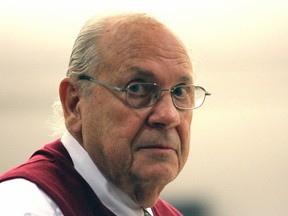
{"x": 138, "y": 148}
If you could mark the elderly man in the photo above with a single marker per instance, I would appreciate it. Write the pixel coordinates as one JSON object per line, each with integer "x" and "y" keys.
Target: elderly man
{"x": 127, "y": 102}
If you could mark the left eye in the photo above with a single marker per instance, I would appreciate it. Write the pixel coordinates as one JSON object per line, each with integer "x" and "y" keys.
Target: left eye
{"x": 179, "y": 91}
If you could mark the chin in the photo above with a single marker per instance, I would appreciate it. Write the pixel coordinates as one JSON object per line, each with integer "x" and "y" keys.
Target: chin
{"x": 162, "y": 173}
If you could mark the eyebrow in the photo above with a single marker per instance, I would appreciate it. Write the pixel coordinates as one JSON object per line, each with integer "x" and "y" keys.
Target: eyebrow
{"x": 150, "y": 75}
{"x": 142, "y": 72}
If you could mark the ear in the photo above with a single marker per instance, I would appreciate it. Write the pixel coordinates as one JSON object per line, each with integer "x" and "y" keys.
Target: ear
{"x": 70, "y": 101}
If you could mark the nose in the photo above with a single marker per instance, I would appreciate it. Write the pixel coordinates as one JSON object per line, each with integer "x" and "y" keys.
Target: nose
{"x": 164, "y": 114}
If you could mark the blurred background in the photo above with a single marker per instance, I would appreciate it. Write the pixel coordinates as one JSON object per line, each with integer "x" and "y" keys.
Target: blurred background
{"x": 238, "y": 164}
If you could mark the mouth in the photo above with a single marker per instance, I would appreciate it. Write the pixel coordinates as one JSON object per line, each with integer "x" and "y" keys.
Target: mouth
{"x": 158, "y": 149}
{"x": 158, "y": 153}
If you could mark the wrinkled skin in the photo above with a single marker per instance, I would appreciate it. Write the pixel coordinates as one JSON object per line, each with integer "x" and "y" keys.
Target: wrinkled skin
{"x": 139, "y": 150}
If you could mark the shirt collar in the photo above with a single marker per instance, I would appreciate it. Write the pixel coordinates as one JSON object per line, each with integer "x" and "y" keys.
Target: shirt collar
{"x": 111, "y": 196}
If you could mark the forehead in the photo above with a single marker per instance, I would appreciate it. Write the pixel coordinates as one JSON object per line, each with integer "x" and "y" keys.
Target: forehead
{"x": 150, "y": 74}
{"x": 145, "y": 47}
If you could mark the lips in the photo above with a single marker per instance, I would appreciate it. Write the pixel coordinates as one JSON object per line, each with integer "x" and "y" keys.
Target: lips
{"x": 157, "y": 147}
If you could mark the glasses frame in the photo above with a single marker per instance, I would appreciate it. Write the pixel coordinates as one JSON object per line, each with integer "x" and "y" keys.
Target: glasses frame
{"x": 126, "y": 89}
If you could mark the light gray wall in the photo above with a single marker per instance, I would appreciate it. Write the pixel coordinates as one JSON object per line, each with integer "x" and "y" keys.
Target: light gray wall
{"x": 238, "y": 162}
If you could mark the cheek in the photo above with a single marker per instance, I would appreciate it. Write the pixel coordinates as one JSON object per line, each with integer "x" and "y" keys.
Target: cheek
{"x": 109, "y": 138}
{"x": 115, "y": 152}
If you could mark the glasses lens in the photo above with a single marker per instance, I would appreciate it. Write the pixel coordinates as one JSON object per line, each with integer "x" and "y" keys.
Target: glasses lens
{"x": 142, "y": 94}
{"x": 200, "y": 95}
{"x": 146, "y": 94}
{"x": 183, "y": 96}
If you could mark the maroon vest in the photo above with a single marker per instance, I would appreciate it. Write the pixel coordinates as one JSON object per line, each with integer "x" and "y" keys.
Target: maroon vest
{"x": 51, "y": 168}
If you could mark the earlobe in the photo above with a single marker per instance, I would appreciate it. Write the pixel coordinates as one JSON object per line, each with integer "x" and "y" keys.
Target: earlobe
{"x": 70, "y": 102}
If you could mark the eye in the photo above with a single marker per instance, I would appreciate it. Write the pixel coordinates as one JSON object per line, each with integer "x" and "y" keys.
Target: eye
{"x": 179, "y": 91}
{"x": 138, "y": 88}
{"x": 182, "y": 91}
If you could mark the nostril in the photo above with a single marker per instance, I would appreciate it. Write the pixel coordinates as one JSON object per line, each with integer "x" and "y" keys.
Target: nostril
{"x": 158, "y": 125}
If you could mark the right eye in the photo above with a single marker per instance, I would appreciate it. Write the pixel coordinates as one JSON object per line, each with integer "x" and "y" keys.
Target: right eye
{"x": 136, "y": 88}
{"x": 144, "y": 89}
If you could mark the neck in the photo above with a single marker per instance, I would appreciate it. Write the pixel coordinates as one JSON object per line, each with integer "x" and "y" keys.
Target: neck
{"x": 145, "y": 195}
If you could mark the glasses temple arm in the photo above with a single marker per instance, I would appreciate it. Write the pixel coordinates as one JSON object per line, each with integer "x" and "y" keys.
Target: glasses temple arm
{"x": 84, "y": 77}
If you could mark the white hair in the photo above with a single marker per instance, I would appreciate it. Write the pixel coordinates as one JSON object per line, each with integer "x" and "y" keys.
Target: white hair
{"x": 56, "y": 121}
{"x": 84, "y": 59}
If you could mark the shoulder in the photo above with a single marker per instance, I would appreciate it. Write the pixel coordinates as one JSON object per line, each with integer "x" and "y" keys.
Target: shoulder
{"x": 19, "y": 197}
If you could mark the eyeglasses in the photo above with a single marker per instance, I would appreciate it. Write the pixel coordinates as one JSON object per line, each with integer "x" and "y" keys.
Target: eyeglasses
{"x": 141, "y": 95}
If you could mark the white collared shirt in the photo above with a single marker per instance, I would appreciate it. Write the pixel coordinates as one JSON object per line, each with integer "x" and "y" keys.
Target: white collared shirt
{"x": 21, "y": 197}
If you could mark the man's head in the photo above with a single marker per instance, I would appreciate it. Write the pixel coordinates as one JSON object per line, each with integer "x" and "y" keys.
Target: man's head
{"x": 140, "y": 150}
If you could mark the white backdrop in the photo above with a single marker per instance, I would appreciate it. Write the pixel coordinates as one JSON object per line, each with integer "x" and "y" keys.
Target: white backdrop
{"x": 238, "y": 164}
